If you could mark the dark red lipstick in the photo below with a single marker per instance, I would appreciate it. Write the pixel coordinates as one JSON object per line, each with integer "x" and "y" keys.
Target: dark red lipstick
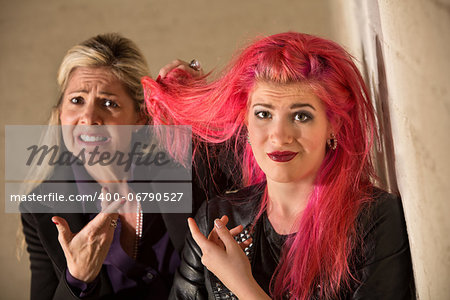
{"x": 282, "y": 156}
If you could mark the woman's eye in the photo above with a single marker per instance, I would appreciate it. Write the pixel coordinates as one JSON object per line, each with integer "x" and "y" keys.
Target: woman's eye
{"x": 302, "y": 117}
{"x": 76, "y": 100}
{"x": 262, "y": 114}
{"x": 110, "y": 103}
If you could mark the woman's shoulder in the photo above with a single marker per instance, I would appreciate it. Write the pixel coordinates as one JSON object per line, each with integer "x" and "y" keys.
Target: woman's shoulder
{"x": 383, "y": 224}
{"x": 245, "y": 198}
{"x": 383, "y": 268}
{"x": 384, "y": 206}
{"x": 382, "y": 197}
{"x": 241, "y": 206}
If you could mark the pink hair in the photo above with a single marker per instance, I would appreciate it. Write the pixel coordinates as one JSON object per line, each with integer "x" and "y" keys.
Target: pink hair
{"x": 320, "y": 254}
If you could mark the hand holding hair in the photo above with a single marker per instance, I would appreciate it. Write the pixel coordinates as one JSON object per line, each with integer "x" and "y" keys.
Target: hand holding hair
{"x": 224, "y": 257}
{"x": 180, "y": 64}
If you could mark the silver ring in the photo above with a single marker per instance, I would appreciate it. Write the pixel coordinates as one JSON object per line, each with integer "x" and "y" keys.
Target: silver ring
{"x": 113, "y": 223}
{"x": 195, "y": 64}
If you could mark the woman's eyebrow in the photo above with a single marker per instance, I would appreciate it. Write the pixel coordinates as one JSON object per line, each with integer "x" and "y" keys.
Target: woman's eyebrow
{"x": 86, "y": 91}
{"x": 263, "y": 104}
{"x": 293, "y": 106}
{"x": 299, "y": 105}
{"x": 106, "y": 93}
{"x": 78, "y": 91}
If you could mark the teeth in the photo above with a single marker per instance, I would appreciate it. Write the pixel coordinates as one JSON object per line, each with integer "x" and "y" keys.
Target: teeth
{"x": 89, "y": 138}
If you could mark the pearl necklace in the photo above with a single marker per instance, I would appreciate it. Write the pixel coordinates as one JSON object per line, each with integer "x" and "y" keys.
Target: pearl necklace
{"x": 139, "y": 221}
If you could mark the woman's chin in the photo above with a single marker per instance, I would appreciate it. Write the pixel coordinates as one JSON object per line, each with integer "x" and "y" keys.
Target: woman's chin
{"x": 282, "y": 178}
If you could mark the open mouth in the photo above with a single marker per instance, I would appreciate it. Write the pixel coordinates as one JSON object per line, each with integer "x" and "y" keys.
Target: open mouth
{"x": 93, "y": 139}
{"x": 282, "y": 156}
{"x": 90, "y": 138}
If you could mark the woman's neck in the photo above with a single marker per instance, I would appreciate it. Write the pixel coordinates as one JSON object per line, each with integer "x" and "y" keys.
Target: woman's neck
{"x": 286, "y": 203}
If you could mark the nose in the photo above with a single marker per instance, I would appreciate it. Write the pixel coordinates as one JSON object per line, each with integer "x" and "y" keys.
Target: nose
{"x": 281, "y": 133}
{"x": 90, "y": 115}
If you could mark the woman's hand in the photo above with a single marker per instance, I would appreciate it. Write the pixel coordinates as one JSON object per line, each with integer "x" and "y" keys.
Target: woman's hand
{"x": 179, "y": 64}
{"x": 223, "y": 256}
{"x": 86, "y": 250}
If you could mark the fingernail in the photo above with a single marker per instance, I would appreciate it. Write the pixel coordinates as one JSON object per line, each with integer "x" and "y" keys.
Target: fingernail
{"x": 158, "y": 78}
{"x": 56, "y": 223}
{"x": 218, "y": 223}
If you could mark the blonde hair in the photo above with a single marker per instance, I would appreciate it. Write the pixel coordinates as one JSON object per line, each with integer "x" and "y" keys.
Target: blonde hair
{"x": 111, "y": 50}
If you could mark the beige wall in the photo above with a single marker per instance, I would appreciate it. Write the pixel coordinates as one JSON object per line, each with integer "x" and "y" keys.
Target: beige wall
{"x": 36, "y": 34}
{"x": 415, "y": 47}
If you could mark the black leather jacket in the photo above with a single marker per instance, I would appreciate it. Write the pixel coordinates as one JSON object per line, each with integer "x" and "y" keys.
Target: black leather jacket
{"x": 384, "y": 270}
{"x": 48, "y": 263}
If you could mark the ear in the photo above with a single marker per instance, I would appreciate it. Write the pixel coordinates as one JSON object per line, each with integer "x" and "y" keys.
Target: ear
{"x": 334, "y": 127}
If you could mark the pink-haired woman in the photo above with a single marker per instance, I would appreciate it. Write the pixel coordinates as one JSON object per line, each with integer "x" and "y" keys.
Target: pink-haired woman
{"x": 311, "y": 223}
